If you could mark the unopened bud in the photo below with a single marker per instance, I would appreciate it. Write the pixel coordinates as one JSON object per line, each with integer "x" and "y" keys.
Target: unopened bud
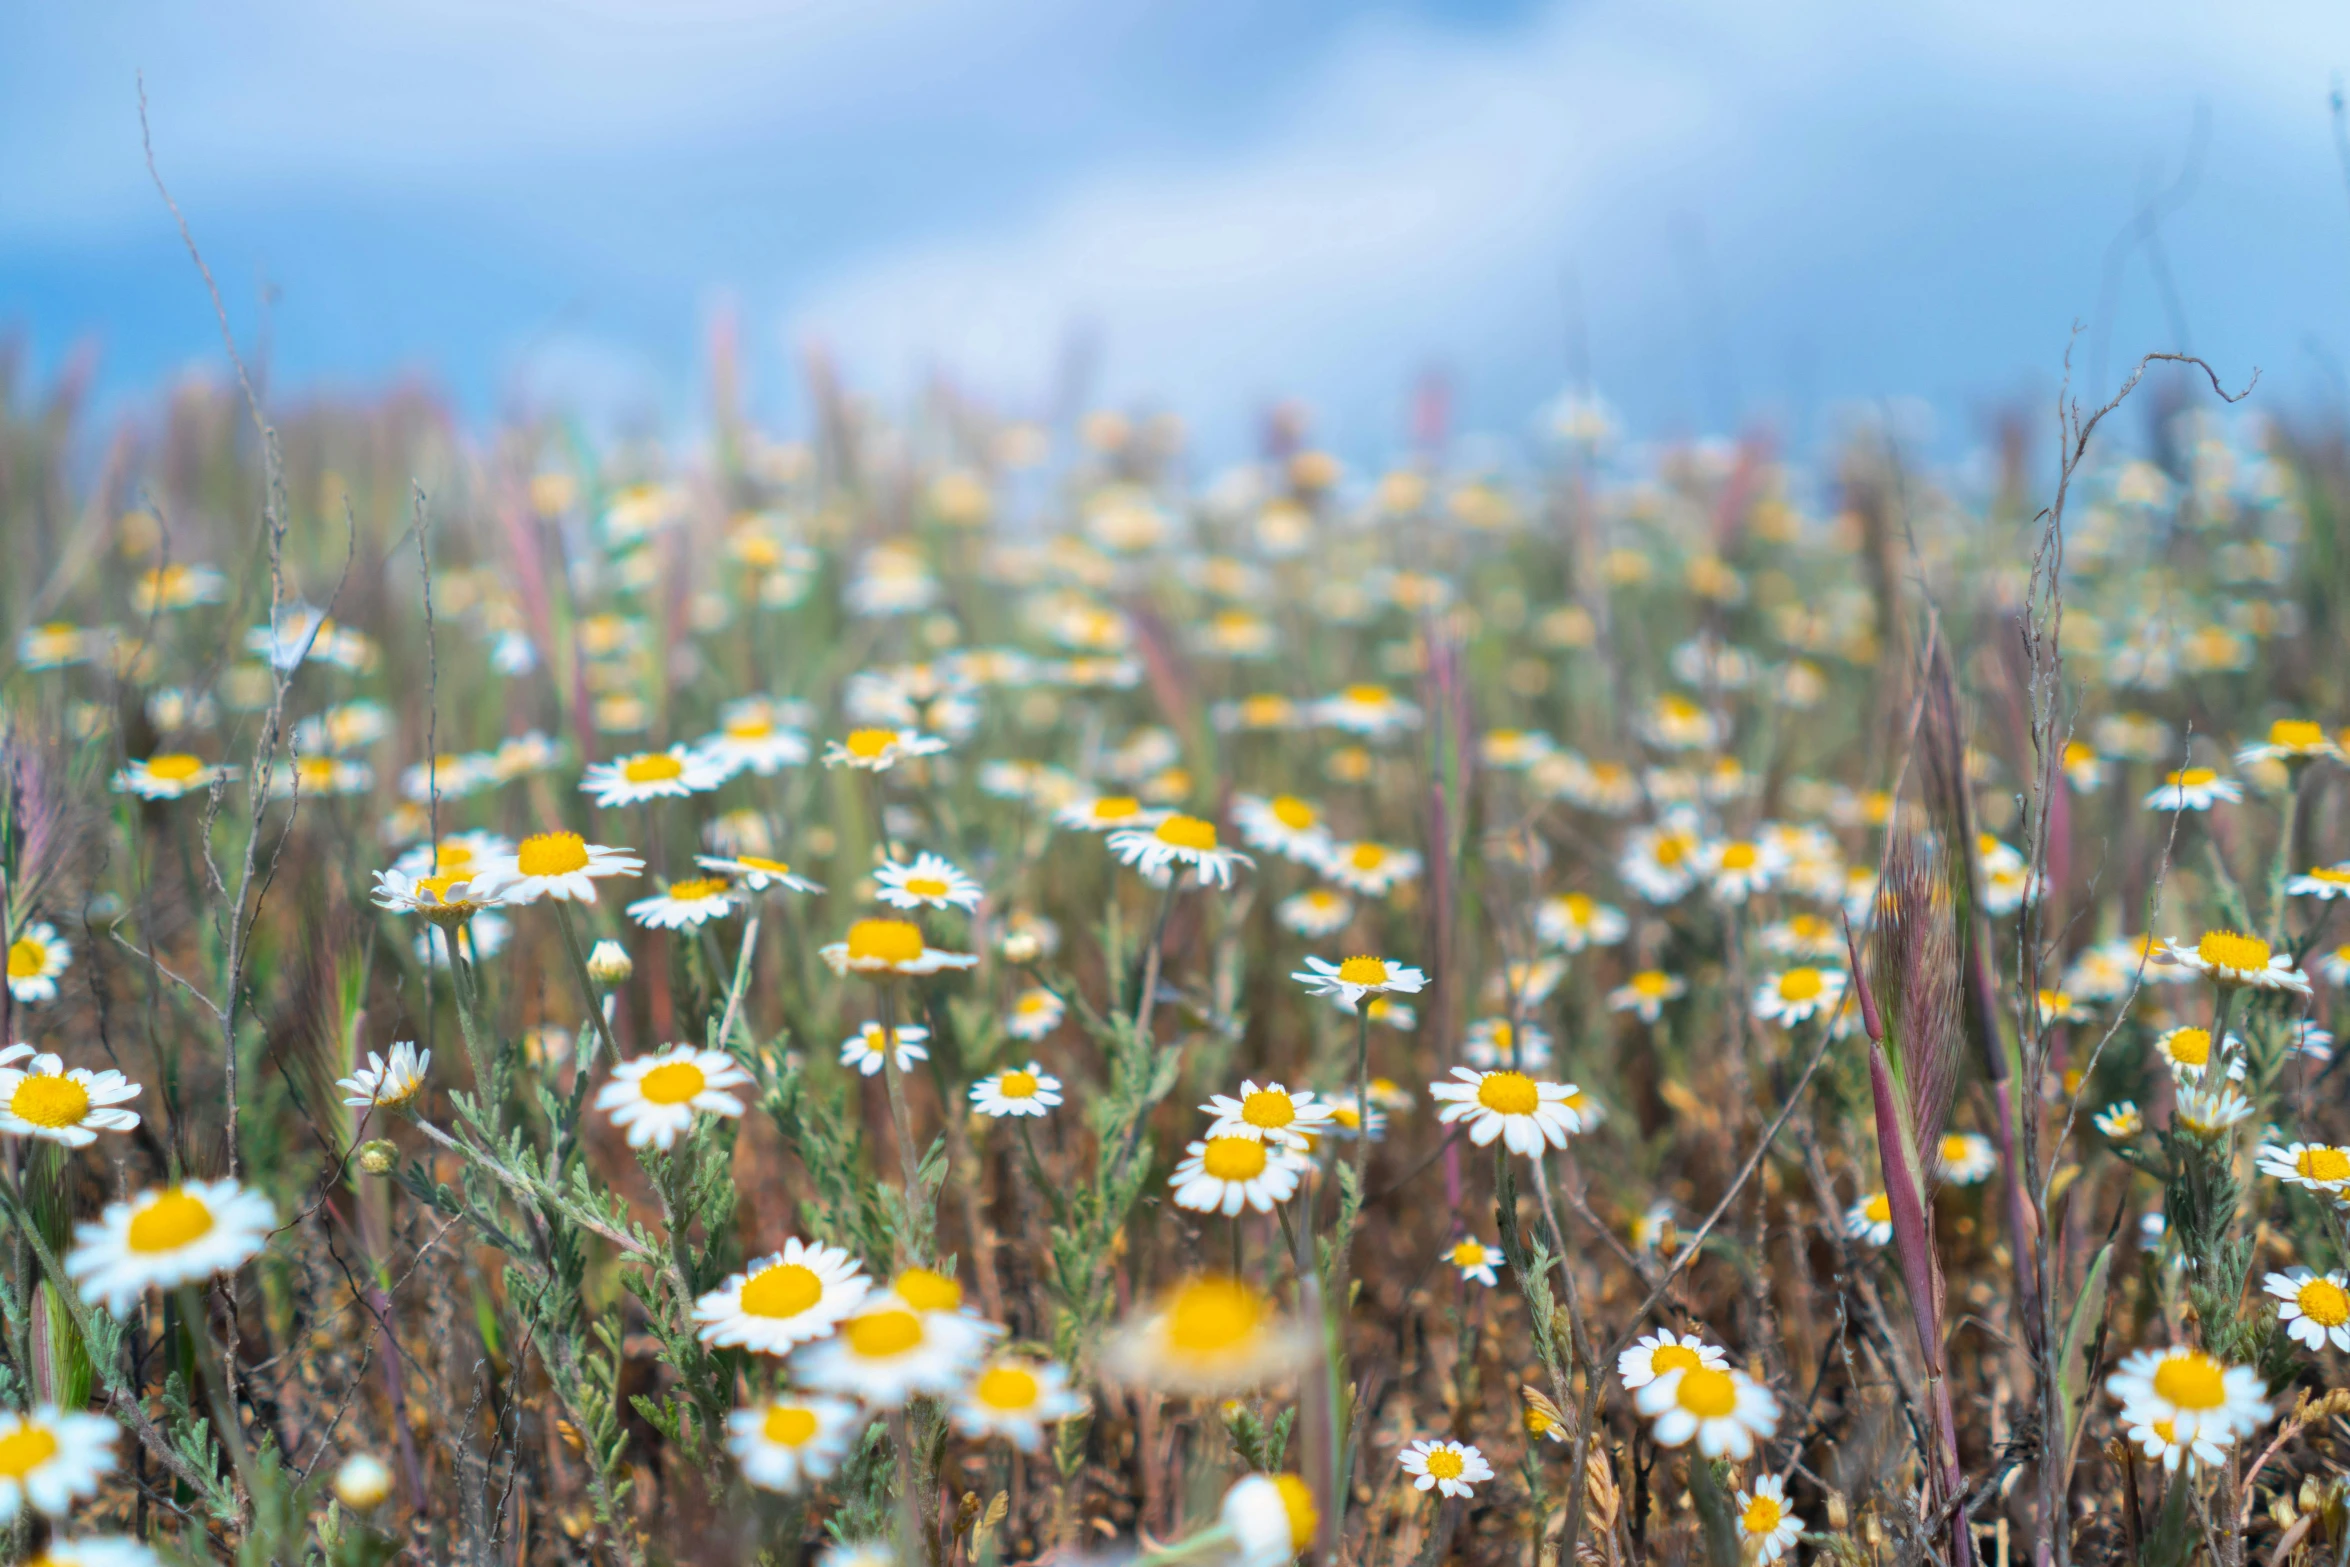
{"x": 608, "y": 965}
{"x": 362, "y": 1482}
{"x": 377, "y": 1157}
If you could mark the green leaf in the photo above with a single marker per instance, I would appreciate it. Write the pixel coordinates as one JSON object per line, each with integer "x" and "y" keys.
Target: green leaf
{"x": 2088, "y": 1312}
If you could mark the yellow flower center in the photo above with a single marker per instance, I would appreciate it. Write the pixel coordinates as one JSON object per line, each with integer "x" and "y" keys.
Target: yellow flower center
{"x": 885, "y": 941}
{"x": 2323, "y": 1164}
{"x": 1671, "y": 849}
{"x": 1652, "y": 982}
{"x": 1509, "y": 1093}
{"x": 171, "y": 1221}
{"x": 877, "y": 1335}
{"x": 1116, "y": 807}
{"x": 784, "y": 1290}
{"x": 868, "y": 745}
{"x": 2191, "y": 1381}
{"x": 672, "y": 1083}
{"x": 1445, "y": 1464}
{"x": 24, "y": 1450}
{"x": 1268, "y": 1109}
{"x": 1214, "y": 1316}
{"x": 1954, "y": 1147}
{"x": 1006, "y": 1387}
{"x": 1188, "y": 832}
{"x": 1367, "y": 696}
{"x": 925, "y": 1290}
{"x": 2334, "y": 874}
{"x": 1017, "y": 1085}
{"x": 2228, "y": 949}
{"x": 174, "y": 767}
{"x": 27, "y": 957}
{"x": 2297, "y": 734}
{"x": 1297, "y": 1498}
{"x": 1801, "y": 984}
{"x": 1706, "y": 1393}
{"x": 752, "y": 862}
{"x": 1234, "y": 1158}
{"x": 1878, "y": 1209}
{"x": 551, "y": 854}
{"x": 788, "y": 1425}
{"x": 2190, "y": 778}
{"x": 1293, "y": 813}
{"x": 927, "y": 886}
{"x": 435, "y": 889}
{"x": 2325, "y": 1303}
{"x": 1469, "y": 1254}
{"x": 1366, "y": 856}
{"x": 1673, "y": 1357}
{"x": 51, "y": 1101}
{"x": 658, "y": 768}
{"x": 696, "y": 889}
{"x": 1762, "y": 1515}
{"x": 2190, "y": 1046}
{"x": 1580, "y": 906}
{"x": 1362, "y": 971}
{"x": 750, "y": 729}
{"x": 1740, "y": 857}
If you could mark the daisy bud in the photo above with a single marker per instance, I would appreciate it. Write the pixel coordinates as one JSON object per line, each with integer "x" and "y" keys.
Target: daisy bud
{"x": 608, "y": 964}
{"x": 363, "y": 1482}
{"x": 377, "y": 1157}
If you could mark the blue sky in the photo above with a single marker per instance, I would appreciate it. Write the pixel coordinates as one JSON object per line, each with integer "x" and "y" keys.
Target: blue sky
{"x": 1730, "y": 211}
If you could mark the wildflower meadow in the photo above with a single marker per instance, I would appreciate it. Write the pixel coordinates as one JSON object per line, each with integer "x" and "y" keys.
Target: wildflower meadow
{"x": 940, "y": 989}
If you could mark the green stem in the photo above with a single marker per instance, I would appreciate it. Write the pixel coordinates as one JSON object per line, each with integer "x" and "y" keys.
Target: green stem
{"x": 198, "y": 1323}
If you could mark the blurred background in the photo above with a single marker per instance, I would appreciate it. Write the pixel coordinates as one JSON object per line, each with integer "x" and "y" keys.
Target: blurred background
{"x": 1719, "y": 214}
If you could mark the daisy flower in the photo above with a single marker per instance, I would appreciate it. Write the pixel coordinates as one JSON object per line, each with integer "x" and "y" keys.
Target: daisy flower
{"x": 448, "y": 898}
{"x": 1366, "y": 710}
{"x": 2208, "y": 1112}
{"x": 1679, "y": 724}
{"x": 1766, "y": 1529}
{"x": 2188, "y": 1053}
{"x": 1490, "y": 1041}
{"x": 2316, "y": 1306}
{"x": 783, "y": 1443}
{"x": 1575, "y": 920}
{"x": 1788, "y": 998}
{"x": 931, "y": 882}
{"x": 165, "y": 1237}
{"x": 1357, "y": 977}
{"x": 1371, "y": 869}
{"x": 1271, "y": 1518}
{"x": 651, "y": 775}
{"x": 1284, "y": 825}
{"x": 1208, "y": 1334}
{"x": 1395, "y": 1014}
{"x": 2291, "y": 740}
{"x": 1015, "y": 1399}
{"x": 752, "y": 740}
{"x": 1646, "y": 994}
{"x": 1178, "y": 840}
{"x": 1348, "y": 1118}
{"x": 1737, "y": 869}
{"x": 2317, "y": 1167}
{"x": 2083, "y": 769}
{"x": 2158, "y": 1437}
{"x": 1966, "y": 1157}
{"x": 1725, "y": 1410}
{"x": 2119, "y": 1121}
{"x": 50, "y": 1457}
{"x": 1023, "y": 1090}
{"x": 1511, "y": 1106}
{"x": 1448, "y": 1468}
{"x": 169, "y": 775}
{"x": 863, "y": 1049}
{"x": 108, "y": 1550}
{"x": 756, "y": 872}
{"x": 1659, "y": 863}
{"x": 656, "y": 1097}
{"x": 1227, "y": 1173}
{"x": 879, "y": 750}
{"x": 1106, "y": 813}
{"x": 2229, "y": 957}
{"x": 1475, "y": 1259}
{"x": 2199, "y": 1396}
{"x": 889, "y": 1351}
{"x": 1036, "y": 1012}
{"x": 35, "y": 958}
{"x": 788, "y": 1297}
{"x": 1661, "y": 1353}
{"x": 2322, "y": 882}
{"x": 1871, "y": 1220}
{"x": 885, "y": 946}
{"x": 1271, "y": 1113}
{"x": 560, "y": 865}
{"x": 2193, "y": 789}
{"x": 1316, "y": 913}
{"x": 43, "y": 1099}
{"x": 1655, "y": 1229}
{"x": 685, "y": 905}
{"x": 2335, "y": 965}
{"x": 393, "y": 1084}
{"x": 1803, "y": 936}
